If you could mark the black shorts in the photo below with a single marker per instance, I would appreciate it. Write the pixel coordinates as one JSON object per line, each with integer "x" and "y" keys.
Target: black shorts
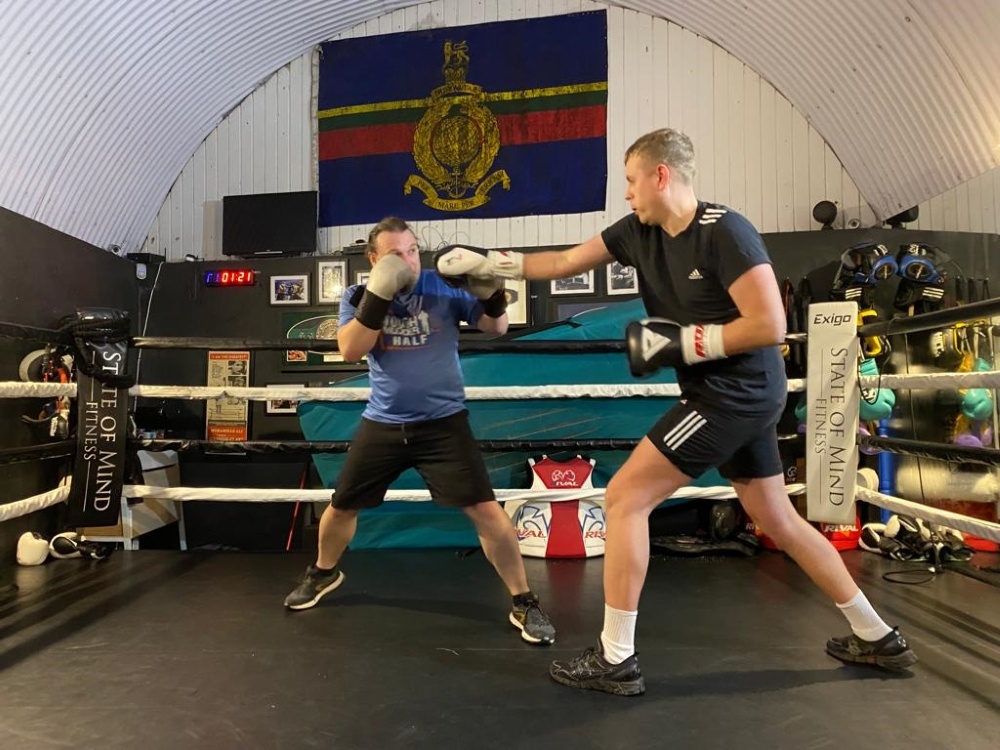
{"x": 444, "y": 452}
{"x": 697, "y": 436}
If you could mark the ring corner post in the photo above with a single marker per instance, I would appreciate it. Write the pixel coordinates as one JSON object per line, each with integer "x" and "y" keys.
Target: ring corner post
{"x": 100, "y": 337}
{"x": 832, "y": 412}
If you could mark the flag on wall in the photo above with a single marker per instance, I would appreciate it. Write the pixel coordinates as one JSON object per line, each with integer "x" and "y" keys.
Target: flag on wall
{"x": 483, "y": 121}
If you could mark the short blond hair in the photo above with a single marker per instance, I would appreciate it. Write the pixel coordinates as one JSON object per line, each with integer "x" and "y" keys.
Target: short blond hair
{"x": 666, "y": 146}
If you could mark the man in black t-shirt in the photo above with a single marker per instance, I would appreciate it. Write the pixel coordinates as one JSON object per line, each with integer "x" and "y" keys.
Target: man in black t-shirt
{"x": 704, "y": 272}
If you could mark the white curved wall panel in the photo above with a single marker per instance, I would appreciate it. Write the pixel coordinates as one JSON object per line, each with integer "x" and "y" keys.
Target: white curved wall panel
{"x": 755, "y": 152}
{"x": 106, "y": 101}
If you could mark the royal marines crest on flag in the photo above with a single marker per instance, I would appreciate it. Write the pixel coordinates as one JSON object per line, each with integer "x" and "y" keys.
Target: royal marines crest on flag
{"x": 456, "y": 141}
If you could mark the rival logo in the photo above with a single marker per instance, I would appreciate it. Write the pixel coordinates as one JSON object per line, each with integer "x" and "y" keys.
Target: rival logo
{"x": 699, "y": 342}
{"x": 831, "y": 320}
{"x": 652, "y": 343}
{"x": 531, "y": 534}
{"x": 564, "y": 478}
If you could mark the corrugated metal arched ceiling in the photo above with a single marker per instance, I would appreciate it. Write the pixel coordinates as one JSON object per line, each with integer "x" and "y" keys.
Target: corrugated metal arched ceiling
{"x": 105, "y": 101}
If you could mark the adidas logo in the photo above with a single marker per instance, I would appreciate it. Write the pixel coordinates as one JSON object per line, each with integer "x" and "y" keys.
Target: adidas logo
{"x": 711, "y": 215}
{"x": 696, "y": 275}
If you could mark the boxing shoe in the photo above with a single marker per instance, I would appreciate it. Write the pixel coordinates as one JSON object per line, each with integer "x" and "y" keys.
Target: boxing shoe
{"x": 591, "y": 671}
{"x": 890, "y": 652}
{"x": 68, "y": 545}
{"x": 313, "y": 586}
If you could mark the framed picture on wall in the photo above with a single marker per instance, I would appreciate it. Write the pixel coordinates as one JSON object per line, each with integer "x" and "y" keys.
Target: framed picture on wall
{"x": 282, "y": 406}
{"x": 361, "y": 277}
{"x": 290, "y": 289}
{"x": 622, "y": 279}
{"x": 517, "y": 301}
{"x": 332, "y": 280}
{"x": 581, "y": 283}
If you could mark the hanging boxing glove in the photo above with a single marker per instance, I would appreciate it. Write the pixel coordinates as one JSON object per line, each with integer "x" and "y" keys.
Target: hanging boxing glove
{"x": 876, "y": 403}
{"x": 871, "y": 346}
{"x": 977, "y": 404}
{"x": 967, "y": 440}
{"x": 944, "y": 349}
{"x": 802, "y": 408}
{"x": 866, "y": 449}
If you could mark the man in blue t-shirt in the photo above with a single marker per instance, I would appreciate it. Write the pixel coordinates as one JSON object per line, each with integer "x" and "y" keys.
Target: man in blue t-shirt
{"x": 704, "y": 270}
{"x": 406, "y": 321}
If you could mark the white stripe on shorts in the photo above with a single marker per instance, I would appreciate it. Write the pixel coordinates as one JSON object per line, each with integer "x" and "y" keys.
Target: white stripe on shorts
{"x": 683, "y": 430}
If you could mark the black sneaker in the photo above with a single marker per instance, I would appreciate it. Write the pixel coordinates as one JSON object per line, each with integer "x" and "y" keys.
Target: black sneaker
{"x": 313, "y": 587}
{"x": 527, "y": 616}
{"x": 890, "y": 652}
{"x": 590, "y": 671}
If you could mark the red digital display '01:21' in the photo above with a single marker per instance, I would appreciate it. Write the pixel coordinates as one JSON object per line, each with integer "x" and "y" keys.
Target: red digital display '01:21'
{"x": 230, "y": 277}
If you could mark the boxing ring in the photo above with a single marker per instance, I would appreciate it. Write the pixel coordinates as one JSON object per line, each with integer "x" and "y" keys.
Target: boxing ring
{"x": 141, "y": 644}
{"x": 846, "y": 335}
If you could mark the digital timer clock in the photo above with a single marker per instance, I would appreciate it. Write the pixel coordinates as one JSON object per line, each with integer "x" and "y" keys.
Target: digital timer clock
{"x": 230, "y": 277}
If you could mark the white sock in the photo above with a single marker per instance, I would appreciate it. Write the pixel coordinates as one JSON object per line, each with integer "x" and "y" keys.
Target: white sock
{"x": 618, "y": 636}
{"x": 864, "y": 620}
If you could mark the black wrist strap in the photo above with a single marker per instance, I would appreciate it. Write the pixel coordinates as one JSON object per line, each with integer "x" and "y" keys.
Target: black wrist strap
{"x": 371, "y": 311}
{"x": 496, "y": 304}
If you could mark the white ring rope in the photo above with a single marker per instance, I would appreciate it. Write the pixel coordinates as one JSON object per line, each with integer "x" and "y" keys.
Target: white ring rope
{"x": 257, "y": 495}
{"x": 935, "y": 380}
{"x": 966, "y": 524}
{"x": 254, "y": 495}
{"x": 15, "y": 389}
{"x": 20, "y": 508}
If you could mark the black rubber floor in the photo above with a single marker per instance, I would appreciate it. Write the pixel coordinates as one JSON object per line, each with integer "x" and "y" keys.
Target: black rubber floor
{"x": 160, "y": 649}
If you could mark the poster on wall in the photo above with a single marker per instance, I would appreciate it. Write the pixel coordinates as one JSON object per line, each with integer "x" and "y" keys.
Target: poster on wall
{"x": 622, "y": 279}
{"x": 517, "y": 301}
{"x": 227, "y": 418}
{"x": 331, "y": 279}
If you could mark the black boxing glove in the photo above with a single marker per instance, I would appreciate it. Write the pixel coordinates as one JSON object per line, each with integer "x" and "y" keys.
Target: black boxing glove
{"x": 654, "y": 343}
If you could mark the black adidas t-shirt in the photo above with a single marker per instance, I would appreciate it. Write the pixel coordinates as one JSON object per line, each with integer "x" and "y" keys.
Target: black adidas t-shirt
{"x": 686, "y": 279}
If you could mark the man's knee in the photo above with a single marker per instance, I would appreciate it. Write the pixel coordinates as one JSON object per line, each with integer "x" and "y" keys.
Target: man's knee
{"x": 622, "y": 499}
{"x": 485, "y": 512}
{"x": 341, "y": 514}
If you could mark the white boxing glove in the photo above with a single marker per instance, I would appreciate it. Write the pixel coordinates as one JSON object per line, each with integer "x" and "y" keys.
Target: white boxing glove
{"x": 390, "y": 275}
{"x": 456, "y": 262}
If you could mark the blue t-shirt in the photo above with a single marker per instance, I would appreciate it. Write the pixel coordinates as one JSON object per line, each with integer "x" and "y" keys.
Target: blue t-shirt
{"x": 413, "y": 368}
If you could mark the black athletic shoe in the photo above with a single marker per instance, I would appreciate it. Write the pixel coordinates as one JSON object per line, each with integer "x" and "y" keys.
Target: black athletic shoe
{"x": 590, "y": 671}
{"x": 313, "y": 587}
{"x": 527, "y": 616}
{"x": 890, "y": 652}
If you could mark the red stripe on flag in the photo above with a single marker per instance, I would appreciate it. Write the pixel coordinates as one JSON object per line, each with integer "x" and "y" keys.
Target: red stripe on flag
{"x": 553, "y": 125}
{"x": 369, "y": 140}
{"x": 515, "y": 130}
